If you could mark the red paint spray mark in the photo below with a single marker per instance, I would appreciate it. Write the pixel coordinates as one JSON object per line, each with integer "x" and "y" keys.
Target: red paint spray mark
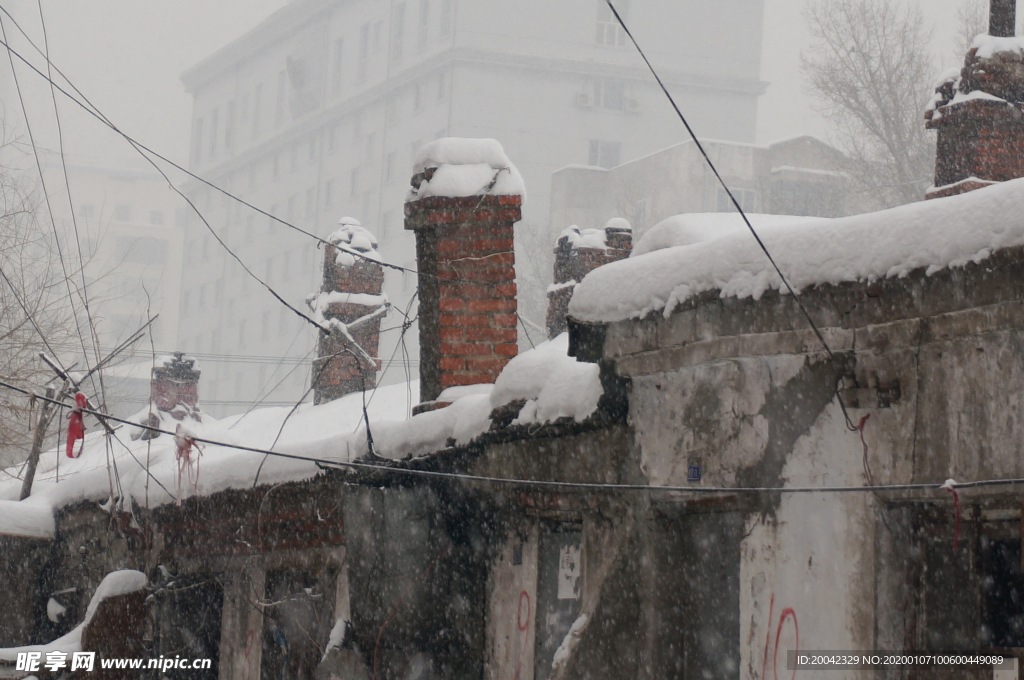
{"x": 523, "y": 623}
{"x": 250, "y": 637}
{"x": 786, "y": 613}
{"x": 767, "y": 638}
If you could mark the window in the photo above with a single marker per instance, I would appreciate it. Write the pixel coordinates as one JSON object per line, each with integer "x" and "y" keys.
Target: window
{"x": 213, "y": 132}
{"x": 391, "y": 111}
{"x": 202, "y": 296}
{"x": 293, "y": 157}
{"x": 275, "y": 168}
{"x": 371, "y": 145}
{"x": 378, "y": 30}
{"x": 185, "y": 300}
{"x": 252, "y": 176}
{"x": 282, "y": 84}
{"x": 270, "y": 219}
{"x": 364, "y": 52}
{"x": 385, "y": 223}
{"x": 249, "y": 227}
{"x": 442, "y": 86}
{"x": 122, "y": 212}
{"x": 446, "y": 18}
{"x": 86, "y": 211}
{"x": 424, "y": 27}
{"x": 397, "y": 31}
{"x": 603, "y": 153}
{"x": 264, "y": 332}
{"x": 257, "y": 109}
{"x": 292, "y": 204}
{"x": 268, "y": 270}
{"x": 310, "y": 201}
{"x": 328, "y": 187}
{"x": 229, "y": 126}
{"x": 145, "y": 250}
{"x": 609, "y": 32}
{"x": 336, "y": 68}
{"x": 354, "y": 182}
{"x": 332, "y": 135}
{"x": 286, "y": 266}
{"x": 390, "y": 161}
{"x": 156, "y": 217}
{"x": 181, "y": 217}
{"x": 747, "y": 198}
{"x": 610, "y": 94}
{"x": 197, "y": 141}
{"x": 417, "y": 98}
{"x": 312, "y": 147}
{"x": 218, "y": 292}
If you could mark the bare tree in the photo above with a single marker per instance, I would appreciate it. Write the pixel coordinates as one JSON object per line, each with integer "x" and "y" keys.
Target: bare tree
{"x": 33, "y": 306}
{"x": 971, "y": 21}
{"x": 871, "y": 71}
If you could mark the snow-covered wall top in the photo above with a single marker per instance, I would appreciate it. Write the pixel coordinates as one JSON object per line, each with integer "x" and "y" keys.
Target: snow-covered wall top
{"x": 553, "y": 385}
{"x": 458, "y": 167}
{"x": 936, "y": 234}
{"x": 989, "y": 45}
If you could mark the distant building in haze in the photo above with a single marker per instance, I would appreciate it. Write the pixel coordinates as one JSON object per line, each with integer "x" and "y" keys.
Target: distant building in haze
{"x": 318, "y": 112}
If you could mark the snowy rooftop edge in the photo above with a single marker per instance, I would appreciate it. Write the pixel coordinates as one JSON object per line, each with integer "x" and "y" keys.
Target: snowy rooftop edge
{"x": 934, "y": 234}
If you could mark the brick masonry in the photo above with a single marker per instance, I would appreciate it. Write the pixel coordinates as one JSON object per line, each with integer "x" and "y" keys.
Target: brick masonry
{"x": 467, "y": 288}
{"x": 336, "y": 372}
{"x": 980, "y": 138}
{"x": 174, "y": 387}
{"x": 572, "y": 263}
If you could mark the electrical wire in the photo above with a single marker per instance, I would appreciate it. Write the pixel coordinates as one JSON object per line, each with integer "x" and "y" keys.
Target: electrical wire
{"x": 551, "y": 484}
{"x": 736, "y": 204}
{"x": 140, "y": 147}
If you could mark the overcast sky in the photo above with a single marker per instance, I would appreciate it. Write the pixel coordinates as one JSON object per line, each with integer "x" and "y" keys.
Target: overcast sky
{"x": 127, "y": 56}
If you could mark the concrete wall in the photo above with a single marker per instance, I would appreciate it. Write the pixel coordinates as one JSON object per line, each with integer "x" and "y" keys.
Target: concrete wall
{"x": 744, "y": 387}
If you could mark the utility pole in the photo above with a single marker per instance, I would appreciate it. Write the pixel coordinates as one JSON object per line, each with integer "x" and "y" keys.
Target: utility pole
{"x": 45, "y": 413}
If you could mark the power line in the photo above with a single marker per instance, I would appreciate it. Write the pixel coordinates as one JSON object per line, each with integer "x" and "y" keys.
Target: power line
{"x": 140, "y": 147}
{"x": 71, "y": 204}
{"x": 592, "y": 486}
{"x": 736, "y": 204}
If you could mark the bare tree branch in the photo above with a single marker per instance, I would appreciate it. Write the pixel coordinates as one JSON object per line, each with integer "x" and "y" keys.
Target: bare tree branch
{"x": 870, "y": 70}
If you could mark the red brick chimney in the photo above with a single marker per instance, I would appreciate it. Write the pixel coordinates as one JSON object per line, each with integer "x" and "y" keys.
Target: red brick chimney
{"x": 174, "y": 387}
{"x": 173, "y": 392}
{"x": 977, "y": 112}
{"x": 577, "y": 253}
{"x": 351, "y": 290}
{"x": 466, "y": 197}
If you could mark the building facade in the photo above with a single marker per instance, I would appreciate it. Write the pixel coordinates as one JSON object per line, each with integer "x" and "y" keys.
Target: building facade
{"x": 799, "y": 176}
{"x": 319, "y": 111}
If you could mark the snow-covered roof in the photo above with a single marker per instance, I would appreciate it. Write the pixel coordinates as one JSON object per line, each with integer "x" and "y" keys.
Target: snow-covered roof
{"x": 685, "y": 261}
{"x": 553, "y": 384}
{"x": 458, "y": 167}
{"x": 115, "y": 583}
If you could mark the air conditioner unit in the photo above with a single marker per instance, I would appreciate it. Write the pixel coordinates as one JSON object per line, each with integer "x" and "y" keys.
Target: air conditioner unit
{"x": 630, "y": 105}
{"x": 584, "y": 99}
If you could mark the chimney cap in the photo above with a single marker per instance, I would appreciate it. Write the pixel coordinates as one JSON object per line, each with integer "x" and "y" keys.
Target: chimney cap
{"x": 353, "y": 235}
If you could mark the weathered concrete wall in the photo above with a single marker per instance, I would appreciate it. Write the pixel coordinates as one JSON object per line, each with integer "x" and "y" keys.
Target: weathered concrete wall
{"x": 743, "y": 387}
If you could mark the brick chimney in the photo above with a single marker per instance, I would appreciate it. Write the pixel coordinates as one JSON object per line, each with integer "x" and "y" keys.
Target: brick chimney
{"x": 173, "y": 393}
{"x": 465, "y": 198}
{"x": 977, "y": 112}
{"x": 351, "y": 291}
{"x": 577, "y": 253}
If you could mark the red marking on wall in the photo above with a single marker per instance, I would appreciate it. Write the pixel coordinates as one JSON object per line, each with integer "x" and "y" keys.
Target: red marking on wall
{"x": 523, "y": 623}
{"x": 250, "y": 637}
{"x": 768, "y": 638}
{"x": 786, "y": 613}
